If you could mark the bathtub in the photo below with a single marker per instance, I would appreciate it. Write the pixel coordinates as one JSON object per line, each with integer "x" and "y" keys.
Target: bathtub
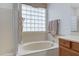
{"x": 39, "y": 48}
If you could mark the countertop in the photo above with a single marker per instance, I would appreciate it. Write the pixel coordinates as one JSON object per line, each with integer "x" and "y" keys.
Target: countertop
{"x": 73, "y": 38}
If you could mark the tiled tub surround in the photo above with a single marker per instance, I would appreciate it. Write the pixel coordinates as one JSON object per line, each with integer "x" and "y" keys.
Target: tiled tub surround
{"x": 39, "y": 48}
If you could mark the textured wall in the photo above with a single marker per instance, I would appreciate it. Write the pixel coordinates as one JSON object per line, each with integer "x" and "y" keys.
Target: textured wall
{"x": 33, "y": 36}
{"x": 64, "y": 13}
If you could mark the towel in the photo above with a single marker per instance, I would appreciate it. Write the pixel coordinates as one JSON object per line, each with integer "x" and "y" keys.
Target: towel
{"x": 53, "y": 27}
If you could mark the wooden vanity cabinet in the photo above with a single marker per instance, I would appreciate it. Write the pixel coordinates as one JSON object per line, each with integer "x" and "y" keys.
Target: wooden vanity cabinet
{"x": 64, "y": 43}
{"x": 68, "y": 48}
{"x": 75, "y": 46}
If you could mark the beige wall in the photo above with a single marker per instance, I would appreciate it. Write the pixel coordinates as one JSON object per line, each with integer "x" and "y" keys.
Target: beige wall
{"x": 33, "y": 36}
{"x": 6, "y": 37}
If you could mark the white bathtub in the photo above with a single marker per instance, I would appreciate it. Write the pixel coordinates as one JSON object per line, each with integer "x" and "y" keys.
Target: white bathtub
{"x": 38, "y": 48}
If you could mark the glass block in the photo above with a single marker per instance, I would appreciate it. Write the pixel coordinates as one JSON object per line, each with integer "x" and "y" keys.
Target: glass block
{"x": 24, "y": 16}
{"x": 23, "y": 12}
{"x": 27, "y": 25}
{"x": 23, "y": 7}
{"x": 28, "y": 12}
{"x": 32, "y": 17}
{"x": 36, "y": 25}
{"x": 43, "y": 14}
{"x": 40, "y": 25}
{"x": 43, "y": 10}
{"x": 32, "y": 21}
{"x": 32, "y": 26}
{"x": 28, "y": 16}
{"x": 33, "y": 9}
{"x": 28, "y": 21}
{"x": 24, "y": 29}
{"x": 36, "y": 13}
{"x": 28, "y": 29}
{"x": 36, "y": 29}
{"x": 32, "y": 29}
{"x": 43, "y": 22}
{"x": 36, "y": 21}
{"x": 43, "y": 25}
{"x": 36, "y": 10}
{"x": 36, "y": 17}
{"x": 43, "y": 29}
{"x": 33, "y": 13}
{"x": 43, "y": 18}
{"x": 39, "y": 21}
{"x": 28, "y": 7}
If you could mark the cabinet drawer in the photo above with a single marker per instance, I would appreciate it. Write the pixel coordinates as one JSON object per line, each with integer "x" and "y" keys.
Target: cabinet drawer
{"x": 64, "y": 43}
{"x": 75, "y": 46}
{"x": 67, "y": 52}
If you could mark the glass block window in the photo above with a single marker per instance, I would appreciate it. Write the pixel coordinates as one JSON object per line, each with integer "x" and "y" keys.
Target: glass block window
{"x": 34, "y": 18}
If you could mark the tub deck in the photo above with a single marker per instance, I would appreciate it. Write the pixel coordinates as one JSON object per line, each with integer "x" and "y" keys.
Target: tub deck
{"x": 22, "y": 51}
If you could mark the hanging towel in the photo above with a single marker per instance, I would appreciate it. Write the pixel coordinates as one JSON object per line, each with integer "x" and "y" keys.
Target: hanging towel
{"x": 53, "y": 27}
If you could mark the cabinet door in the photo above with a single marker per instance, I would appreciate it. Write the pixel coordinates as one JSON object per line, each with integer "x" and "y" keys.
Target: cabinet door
{"x": 75, "y": 46}
{"x": 67, "y": 52}
{"x": 64, "y": 43}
